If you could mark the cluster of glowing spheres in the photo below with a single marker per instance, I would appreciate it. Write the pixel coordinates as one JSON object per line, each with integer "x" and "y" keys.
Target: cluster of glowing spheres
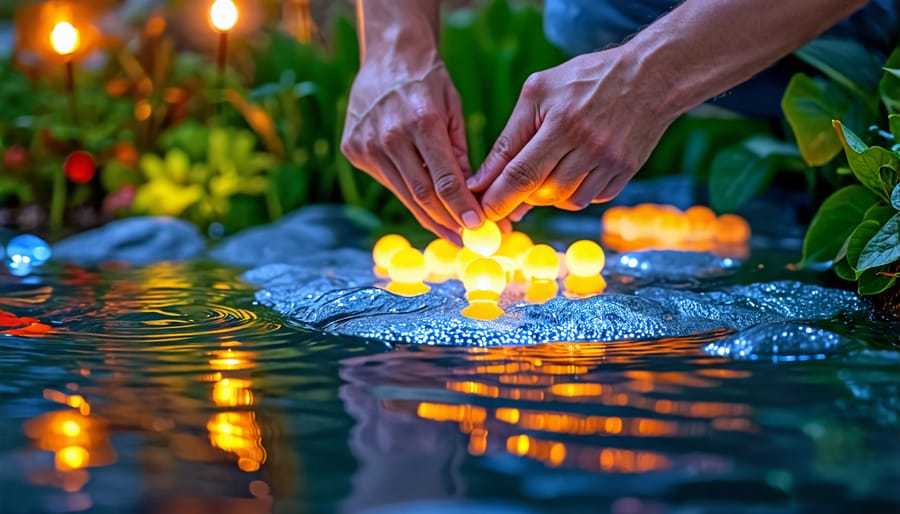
{"x": 487, "y": 263}
{"x": 666, "y": 226}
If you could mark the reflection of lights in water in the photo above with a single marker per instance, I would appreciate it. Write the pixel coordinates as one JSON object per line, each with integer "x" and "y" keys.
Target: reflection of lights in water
{"x": 231, "y": 360}
{"x": 238, "y": 433}
{"x": 77, "y": 441}
{"x": 72, "y": 457}
{"x": 232, "y": 392}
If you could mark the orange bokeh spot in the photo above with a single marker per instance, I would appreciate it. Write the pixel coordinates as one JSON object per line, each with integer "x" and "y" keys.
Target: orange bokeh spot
{"x": 703, "y": 222}
{"x": 732, "y": 229}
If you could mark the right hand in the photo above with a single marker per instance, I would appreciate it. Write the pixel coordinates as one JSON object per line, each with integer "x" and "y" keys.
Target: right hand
{"x": 405, "y": 128}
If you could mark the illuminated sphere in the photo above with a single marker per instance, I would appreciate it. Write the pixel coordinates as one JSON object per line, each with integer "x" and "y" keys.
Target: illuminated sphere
{"x": 703, "y": 222}
{"x": 732, "y": 229}
{"x": 613, "y": 219}
{"x": 385, "y": 248}
{"x": 484, "y": 241}
{"x": 671, "y": 226}
{"x": 64, "y": 38}
{"x": 484, "y": 275}
{"x": 463, "y": 258}
{"x": 408, "y": 266}
{"x": 540, "y": 263}
{"x": 585, "y": 258}
{"x": 514, "y": 245}
{"x": 223, "y": 14}
{"x": 440, "y": 257}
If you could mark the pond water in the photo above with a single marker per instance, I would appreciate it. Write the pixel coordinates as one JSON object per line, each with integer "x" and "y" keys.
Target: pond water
{"x": 167, "y": 389}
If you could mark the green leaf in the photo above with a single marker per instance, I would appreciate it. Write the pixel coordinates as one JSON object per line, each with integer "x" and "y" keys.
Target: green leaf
{"x": 843, "y": 270}
{"x": 880, "y": 213}
{"x": 871, "y": 283}
{"x": 736, "y": 175}
{"x": 883, "y": 248}
{"x": 894, "y": 123}
{"x": 889, "y": 87}
{"x": 895, "y": 197}
{"x": 835, "y": 221}
{"x": 846, "y": 62}
{"x": 867, "y": 162}
{"x": 858, "y": 241}
{"x": 810, "y": 105}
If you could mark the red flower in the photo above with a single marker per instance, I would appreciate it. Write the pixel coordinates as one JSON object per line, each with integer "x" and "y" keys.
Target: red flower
{"x": 24, "y": 327}
{"x": 80, "y": 167}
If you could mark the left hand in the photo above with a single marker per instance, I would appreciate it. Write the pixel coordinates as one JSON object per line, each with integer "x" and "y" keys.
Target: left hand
{"x": 577, "y": 135}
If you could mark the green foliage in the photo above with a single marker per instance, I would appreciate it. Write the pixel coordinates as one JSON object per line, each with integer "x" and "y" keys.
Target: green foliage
{"x": 857, "y": 229}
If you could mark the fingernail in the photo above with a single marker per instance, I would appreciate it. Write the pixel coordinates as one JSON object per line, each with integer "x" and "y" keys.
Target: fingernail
{"x": 471, "y": 181}
{"x": 471, "y": 220}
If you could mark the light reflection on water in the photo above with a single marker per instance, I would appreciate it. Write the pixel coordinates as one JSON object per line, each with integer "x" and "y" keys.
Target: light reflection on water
{"x": 166, "y": 390}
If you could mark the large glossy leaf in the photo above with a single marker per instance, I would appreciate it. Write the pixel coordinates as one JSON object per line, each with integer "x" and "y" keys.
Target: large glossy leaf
{"x": 843, "y": 270}
{"x": 883, "y": 248}
{"x": 834, "y": 222}
{"x": 867, "y": 162}
{"x": 875, "y": 281}
{"x": 810, "y": 105}
{"x": 737, "y": 174}
{"x": 858, "y": 240}
{"x": 846, "y": 62}
{"x": 889, "y": 87}
{"x": 895, "y": 197}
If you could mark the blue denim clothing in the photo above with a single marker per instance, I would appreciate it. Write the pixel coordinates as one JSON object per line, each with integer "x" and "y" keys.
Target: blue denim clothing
{"x": 582, "y": 26}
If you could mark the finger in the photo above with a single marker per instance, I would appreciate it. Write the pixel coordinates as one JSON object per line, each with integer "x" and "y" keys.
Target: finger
{"x": 612, "y": 190}
{"x": 587, "y": 191}
{"x": 563, "y": 180}
{"x": 458, "y": 133}
{"x": 434, "y": 145}
{"x": 520, "y": 212}
{"x": 419, "y": 184}
{"x": 524, "y": 174}
{"x": 520, "y": 129}
{"x": 390, "y": 177}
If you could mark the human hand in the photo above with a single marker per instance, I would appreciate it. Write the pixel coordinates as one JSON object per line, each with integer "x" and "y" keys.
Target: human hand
{"x": 405, "y": 128}
{"x": 577, "y": 135}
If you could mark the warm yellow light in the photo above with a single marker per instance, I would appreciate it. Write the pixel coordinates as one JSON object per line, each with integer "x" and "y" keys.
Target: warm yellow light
{"x": 703, "y": 222}
{"x": 732, "y": 229}
{"x": 463, "y": 259}
{"x": 232, "y": 392}
{"x": 582, "y": 286}
{"x": 440, "y": 259}
{"x": 541, "y": 291}
{"x": 613, "y": 219}
{"x": 72, "y": 457}
{"x": 384, "y": 251}
{"x": 484, "y": 241}
{"x": 514, "y": 245}
{"x": 70, "y": 428}
{"x": 223, "y": 14}
{"x": 585, "y": 258}
{"x": 540, "y": 263}
{"x": 484, "y": 280}
{"x": 65, "y": 38}
{"x": 407, "y": 272}
{"x": 484, "y": 275}
{"x": 671, "y": 226}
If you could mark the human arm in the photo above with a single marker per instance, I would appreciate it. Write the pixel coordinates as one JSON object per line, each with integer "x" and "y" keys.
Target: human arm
{"x": 581, "y": 130}
{"x": 404, "y": 123}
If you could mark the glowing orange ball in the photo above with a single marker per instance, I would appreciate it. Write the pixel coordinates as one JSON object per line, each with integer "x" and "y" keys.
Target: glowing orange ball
{"x": 484, "y": 241}
{"x": 703, "y": 222}
{"x": 440, "y": 258}
{"x": 613, "y": 218}
{"x": 384, "y": 251}
{"x": 407, "y": 272}
{"x": 484, "y": 280}
{"x": 463, "y": 258}
{"x": 732, "y": 229}
{"x": 670, "y": 226}
{"x": 585, "y": 258}
{"x": 514, "y": 245}
{"x": 541, "y": 262}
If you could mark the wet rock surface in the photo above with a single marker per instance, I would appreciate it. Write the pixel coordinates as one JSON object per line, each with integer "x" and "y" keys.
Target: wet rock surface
{"x": 768, "y": 319}
{"x": 139, "y": 240}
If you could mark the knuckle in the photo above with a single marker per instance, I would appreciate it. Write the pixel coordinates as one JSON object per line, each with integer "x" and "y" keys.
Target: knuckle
{"x": 503, "y": 147}
{"x": 447, "y": 186}
{"x": 424, "y": 118}
{"x": 533, "y": 85}
{"x": 523, "y": 176}
{"x": 422, "y": 192}
{"x": 371, "y": 146}
{"x": 392, "y": 136}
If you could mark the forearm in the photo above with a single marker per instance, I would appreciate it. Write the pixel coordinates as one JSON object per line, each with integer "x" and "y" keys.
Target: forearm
{"x": 400, "y": 32}
{"x": 705, "y": 47}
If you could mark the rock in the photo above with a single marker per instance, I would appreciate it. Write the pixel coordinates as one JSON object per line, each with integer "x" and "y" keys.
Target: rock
{"x": 294, "y": 237}
{"x": 139, "y": 240}
{"x": 781, "y": 341}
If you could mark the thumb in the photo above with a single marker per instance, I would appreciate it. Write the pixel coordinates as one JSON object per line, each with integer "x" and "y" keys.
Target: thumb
{"x": 519, "y": 130}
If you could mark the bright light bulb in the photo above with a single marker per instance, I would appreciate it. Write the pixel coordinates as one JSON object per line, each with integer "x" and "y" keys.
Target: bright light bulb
{"x": 384, "y": 251}
{"x": 540, "y": 262}
{"x": 440, "y": 259}
{"x": 407, "y": 272}
{"x": 223, "y": 14}
{"x": 585, "y": 258}
{"x": 484, "y": 241}
{"x": 484, "y": 280}
{"x": 64, "y": 38}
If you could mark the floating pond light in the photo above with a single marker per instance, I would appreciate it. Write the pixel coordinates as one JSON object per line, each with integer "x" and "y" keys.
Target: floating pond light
{"x": 732, "y": 229}
{"x": 484, "y": 241}
{"x": 440, "y": 260}
{"x": 484, "y": 280}
{"x": 463, "y": 258}
{"x": 540, "y": 262}
{"x": 408, "y": 273}
{"x": 384, "y": 251}
{"x": 584, "y": 261}
{"x": 514, "y": 246}
{"x": 703, "y": 223}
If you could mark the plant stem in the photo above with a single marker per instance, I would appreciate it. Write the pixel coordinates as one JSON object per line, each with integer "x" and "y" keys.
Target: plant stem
{"x": 58, "y": 203}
